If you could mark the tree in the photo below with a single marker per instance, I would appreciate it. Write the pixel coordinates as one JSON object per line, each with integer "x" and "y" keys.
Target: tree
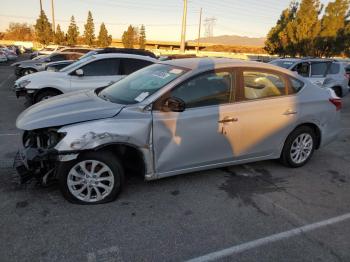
{"x": 277, "y": 41}
{"x": 43, "y": 29}
{"x": 305, "y": 27}
{"x": 72, "y": 33}
{"x": 19, "y": 32}
{"x": 129, "y": 37}
{"x": 89, "y": 33}
{"x": 103, "y": 39}
{"x": 142, "y": 37}
{"x": 59, "y": 38}
{"x": 333, "y": 21}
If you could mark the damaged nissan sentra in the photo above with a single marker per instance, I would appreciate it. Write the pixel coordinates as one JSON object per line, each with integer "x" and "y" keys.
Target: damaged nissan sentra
{"x": 172, "y": 118}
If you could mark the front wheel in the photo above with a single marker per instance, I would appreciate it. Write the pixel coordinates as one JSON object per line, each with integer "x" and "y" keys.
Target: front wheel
{"x": 94, "y": 178}
{"x": 28, "y": 71}
{"x": 299, "y": 147}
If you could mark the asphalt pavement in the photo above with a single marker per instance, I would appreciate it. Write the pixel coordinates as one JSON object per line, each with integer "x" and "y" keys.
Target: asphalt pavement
{"x": 256, "y": 212}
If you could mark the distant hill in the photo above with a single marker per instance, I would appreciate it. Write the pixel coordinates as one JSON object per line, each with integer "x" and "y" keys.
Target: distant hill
{"x": 234, "y": 40}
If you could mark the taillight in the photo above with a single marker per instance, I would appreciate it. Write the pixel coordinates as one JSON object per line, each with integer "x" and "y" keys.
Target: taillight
{"x": 347, "y": 76}
{"x": 336, "y": 102}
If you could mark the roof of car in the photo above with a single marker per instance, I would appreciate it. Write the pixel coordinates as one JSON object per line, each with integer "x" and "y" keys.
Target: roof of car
{"x": 121, "y": 55}
{"x": 208, "y": 63}
{"x": 313, "y": 59}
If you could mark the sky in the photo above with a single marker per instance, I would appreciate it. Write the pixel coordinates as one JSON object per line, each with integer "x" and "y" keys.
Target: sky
{"x": 162, "y": 18}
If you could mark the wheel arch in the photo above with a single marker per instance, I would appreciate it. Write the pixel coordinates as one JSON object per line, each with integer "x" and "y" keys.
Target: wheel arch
{"x": 339, "y": 88}
{"x": 41, "y": 90}
{"x": 314, "y": 127}
{"x": 132, "y": 157}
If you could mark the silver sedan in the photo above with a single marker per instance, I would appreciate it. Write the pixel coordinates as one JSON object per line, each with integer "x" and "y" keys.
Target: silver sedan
{"x": 171, "y": 118}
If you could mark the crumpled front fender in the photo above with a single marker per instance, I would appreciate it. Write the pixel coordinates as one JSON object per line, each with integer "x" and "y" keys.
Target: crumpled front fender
{"x": 131, "y": 127}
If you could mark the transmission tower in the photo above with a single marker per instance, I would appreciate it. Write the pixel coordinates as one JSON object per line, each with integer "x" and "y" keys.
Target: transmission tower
{"x": 209, "y": 23}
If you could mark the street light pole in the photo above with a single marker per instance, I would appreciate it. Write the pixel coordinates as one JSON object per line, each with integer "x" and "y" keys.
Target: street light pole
{"x": 199, "y": 29}
{"x": 183, "y": 33}
{"x": 53, "y": 16}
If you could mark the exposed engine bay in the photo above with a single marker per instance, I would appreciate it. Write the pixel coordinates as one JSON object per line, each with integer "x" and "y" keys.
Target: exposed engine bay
{"x": 38, "y": 158}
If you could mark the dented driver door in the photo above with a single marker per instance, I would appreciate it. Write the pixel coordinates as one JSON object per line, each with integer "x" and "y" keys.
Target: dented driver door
{"x": 197, "y": 137}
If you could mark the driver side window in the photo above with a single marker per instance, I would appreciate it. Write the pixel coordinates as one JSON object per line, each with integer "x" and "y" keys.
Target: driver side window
{"x": 207, "y": 89}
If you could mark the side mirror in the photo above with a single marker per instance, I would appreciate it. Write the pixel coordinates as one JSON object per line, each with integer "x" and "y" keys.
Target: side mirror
{"x": 79, "y": 72}
{"x": 175, "y": 104}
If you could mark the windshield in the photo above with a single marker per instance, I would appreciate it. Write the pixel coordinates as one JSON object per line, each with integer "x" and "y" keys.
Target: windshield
{"x": 283, "y": 63}
{"x": 138, "y": 86}
{"x": 76, "y": 64}
{"x": 88, "y": 54}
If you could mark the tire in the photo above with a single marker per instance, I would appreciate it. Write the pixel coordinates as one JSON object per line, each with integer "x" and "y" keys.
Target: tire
{"x": 289, "y": 156}
{"x": 72, "y": 169}
{"x": 44, "y": 95}
{"x": 28, "y": 71}
{"x": 338, "y": 91}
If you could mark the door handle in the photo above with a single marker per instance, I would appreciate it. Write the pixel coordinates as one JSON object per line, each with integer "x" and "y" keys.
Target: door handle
{"x": 228, "y": 120}
{"x": 290, "y": 112}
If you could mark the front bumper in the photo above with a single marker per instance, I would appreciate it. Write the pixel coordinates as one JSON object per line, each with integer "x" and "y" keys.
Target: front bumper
{"x": 33, "y": 163}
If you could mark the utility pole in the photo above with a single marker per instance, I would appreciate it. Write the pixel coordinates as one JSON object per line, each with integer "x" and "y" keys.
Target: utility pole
{"x": 53, "y": 16}
{"x": 41, "y": 6}
{"x": 183, "y": 33}
{"x": 199, "y": 29}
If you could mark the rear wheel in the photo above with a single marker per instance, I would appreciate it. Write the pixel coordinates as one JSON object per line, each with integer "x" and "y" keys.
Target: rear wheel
{"x": 299, "y": 147}
{"x": 44, "y": 95}
{"x": 94, "y": 178}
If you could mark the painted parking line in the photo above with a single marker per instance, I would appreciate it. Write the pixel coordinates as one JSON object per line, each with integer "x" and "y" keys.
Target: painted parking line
{"x": 111, "y": 254}
{"x": 16, "y": 134}
{"x": 269, "y": 239}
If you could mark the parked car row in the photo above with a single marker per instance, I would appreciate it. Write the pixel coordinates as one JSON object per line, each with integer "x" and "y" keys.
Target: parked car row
{"x": 132, "y": 113}
{"x": 327, "y": 73}
{"x": 7, "y": 54}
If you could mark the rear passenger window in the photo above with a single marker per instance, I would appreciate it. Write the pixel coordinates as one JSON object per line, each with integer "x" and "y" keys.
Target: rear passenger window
{"x": 334, "y": 69}
{"x": 129, "y": 66}
{"x": 260, "y": 85}
{"x": 319, "y": 69}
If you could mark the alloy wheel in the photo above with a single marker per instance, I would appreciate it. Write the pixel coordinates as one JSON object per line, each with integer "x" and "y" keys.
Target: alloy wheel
{"x": 90, "y": 181}
{"x": 301, "y": 148}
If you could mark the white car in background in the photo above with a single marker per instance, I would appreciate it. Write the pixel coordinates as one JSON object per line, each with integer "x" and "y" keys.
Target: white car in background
{"x": 88, "y": 73}
{"x": 10, "y": 55}
{"x": 47, "y": 50}
{"x": 3, "y": 57}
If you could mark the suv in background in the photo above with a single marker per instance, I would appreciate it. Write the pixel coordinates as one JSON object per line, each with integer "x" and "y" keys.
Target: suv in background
{"x": 323, "y": 72}
{"x": 88, "y": 73}
{"x": 37, "y": 64}
{"x": 112, "y": 50}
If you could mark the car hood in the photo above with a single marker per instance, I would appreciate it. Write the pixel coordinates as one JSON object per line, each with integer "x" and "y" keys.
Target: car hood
{"x": 30, "y": 62}
{"x": 67, "y": 109}
{"x": 47, "y": 75}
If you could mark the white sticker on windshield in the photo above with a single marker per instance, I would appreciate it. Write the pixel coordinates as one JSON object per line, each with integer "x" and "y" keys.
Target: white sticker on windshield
{"x": 175, "y": 71}
{"x": 161, "y": 74}
{"x": 141, "y": 97}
